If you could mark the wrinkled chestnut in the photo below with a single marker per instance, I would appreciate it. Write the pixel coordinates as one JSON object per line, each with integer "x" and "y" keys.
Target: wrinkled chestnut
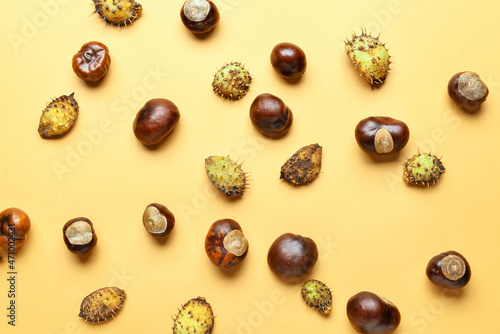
{"x": 292, "y": 256}
{"x": 225, "y": 244}
{"x": 468, "y": 90}
{"x": 155, "y": 121}
{"x": 158, "y": 220}
{"x": 271, "y": 116}
{"x": 79, "y": 235}
{"x": 449, "y": 269}
{"x": 199, "y": 16}
{"x": 14, "y": 227}
{"x": 288, "y": 60}
{"x": 92, "y": 62}
{"x": 381, "y": 135}
{"x": 371, "y": 313}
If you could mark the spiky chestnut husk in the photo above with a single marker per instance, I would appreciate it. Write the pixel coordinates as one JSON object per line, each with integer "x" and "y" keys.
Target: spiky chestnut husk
{"x": 423, "y": 168}
{"x": 102, "y": 304}
{"x": 369, "y": 56}
{"x": 58, "y": 117}
{"x": 232, "y": 81}
{"x": 195, "y": 316}
{"x": 118, "y": 12}
{"x": 226, "y": 175}
{"x": 303, "y": 166}
{"x": 317, "y": 295}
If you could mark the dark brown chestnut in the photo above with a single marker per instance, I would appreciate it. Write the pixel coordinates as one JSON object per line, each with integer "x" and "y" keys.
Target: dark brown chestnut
{"x": 292, "y": 256}
{"x": 158, "y": 220}
{"x": 79, "y": 235}
{"x": 155, "y": 121}
{"x": 288, "y": 60}
{"x": 449, "y": 269}
{"x": 199, "y": 16}
{"x": 371, "y": 313}
{"x": 468, "y": 90}
{"x": 14, "y": 227}
{"x": 381, "y": 135}
{"x": 271, "y": 116}
{"x": 225, "y": 244}
{"x": 92, "y": 62}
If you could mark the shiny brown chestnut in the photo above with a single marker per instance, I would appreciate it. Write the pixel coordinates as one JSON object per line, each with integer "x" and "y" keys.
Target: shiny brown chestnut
{"x": 225, "y": 244}
{"x": 449, "y": 269}
{"x": 79, "y": 235}
{"x": 14, "y": 227}
{"x": 199, "y": 16}
{"x": 468, "y": 90}
{"x": 292, "y": 256}
{"x": 288, "y": 60}
{"x": 92, "y": 62}
{"x": 155, "y": 121}
{"x": 371, "y": 313}
{"x": 158, "y": 220}
{"x": 270, "y": 116}
{"x": 381, "y": 135}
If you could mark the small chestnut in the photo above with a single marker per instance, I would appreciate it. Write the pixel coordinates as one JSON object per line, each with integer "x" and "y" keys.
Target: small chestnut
{"x": 468, "y": 90}
{"x": 92, "y": 62}
{"x": 14, "y": 227}
{"x": 79, "y": 235}
{"x": 381, "y": 135}
{"x": 288, "y": 60}
{"x": 225, "y": 244}
{"x": 158, "y": 220}
{"x": 292, "y": 256}
{"x": 371, "y": 313}
{"x": 199, "y": 16}
{"x": 271, "y": 116}
{"x": 155, "y": 120}
{"x": 449, "y": 269}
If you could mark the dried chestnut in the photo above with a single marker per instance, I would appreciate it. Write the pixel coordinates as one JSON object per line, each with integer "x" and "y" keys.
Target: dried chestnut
{"x": 14, "y": 227}
{"x": 225, "y": 244}
{"x": 371, "y": 313}
{"x": 381, "y": 135}
{"x": 468, "y": 90}
{"x": 271, "y": 116}
{"x": 92, "y": 62}
{"x": 199, "y": 16}
{"x": 292, "y": 256}
{"x": 449, "y": 269}
{"x": 155, "y": 121}
{"x": 288, "y": 60}
{"x": 79, "y": 235}
{"x": 158, "y": 220}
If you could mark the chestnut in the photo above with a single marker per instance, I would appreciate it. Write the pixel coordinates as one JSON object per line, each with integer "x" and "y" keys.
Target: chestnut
{"x": 199, "y": 16}
{"x": 468, "y": 90}
{"x": 158, "y": 220}
{"x": 155, "y": 120}
{"x": 14, "y": 227}
{"x": 270, "y": 116}
{"x": 288, "y": 60}
{"x": 381, "y": 135}
{"x": 292, "y": 256}
{"x": 92, "y": 62}
{"x": 449, "y": 269}
{"x": 371, "y": 313}
{"x": 79, "y": 235}
{"x": 225, "y": 244}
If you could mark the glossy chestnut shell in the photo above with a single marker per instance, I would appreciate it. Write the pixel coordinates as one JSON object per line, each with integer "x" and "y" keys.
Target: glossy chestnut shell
{"x": 270, "y": 116}
{"x": 92, "y": 62}
{"x": 155, "y": 121}
{"x": 468, "y": 90}
{"x": 449, "y": 269}
{"x": 14, "y": 227}
{"x": 370, "y": 313}
{"x": 288, "y": 60}
{"x": 158, "y": 220}
{"x": 381, "y": 135}
{"x": 79, "y": 235}
{"x": 204, "y": 26}
{"x": 225, "y": 244}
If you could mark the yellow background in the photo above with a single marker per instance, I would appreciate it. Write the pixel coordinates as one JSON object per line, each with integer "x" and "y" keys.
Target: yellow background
{"x": 373, "y": 231}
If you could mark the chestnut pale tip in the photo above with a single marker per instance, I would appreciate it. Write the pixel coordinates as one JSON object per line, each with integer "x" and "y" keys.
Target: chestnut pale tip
{"x": 383, "y": 141}
{"x": 196, "y": 10}
{"x": 453, "y": 267}
{"x": 235, "y": 242}
{"x": 79, "y": 233}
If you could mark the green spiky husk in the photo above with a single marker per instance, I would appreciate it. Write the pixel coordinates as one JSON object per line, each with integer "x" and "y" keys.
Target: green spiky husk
{"x": 58, "y": 117}
{"x": 226, "y": 175}
{"x": 317, "y": 295}
{"x": 232, "y": 81}
{"x": 194, "y": 317}
{"x": 118, "y": 12}
{"x": 423, "y": 168}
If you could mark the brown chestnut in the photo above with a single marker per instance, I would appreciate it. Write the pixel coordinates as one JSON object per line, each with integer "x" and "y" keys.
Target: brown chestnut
{"x": 468, "y": 90}
{"x": 449, "y": 269}
{"x": 155, "y": 121}
{"x": 292, "y": 256}
{"x": 381, "y": 135}
{"x": 199, "y": 16}
{"x": 271, "y": 116}
{"x": 79, "y": 235}
{"x": 288, "y": 60}
{"x": 225, "y": 244}
{"x": 371, "y": 313}
{"x": 158, "y": 220}
{"x": 92, "y": 62}
{"x": 14, "y": 227}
